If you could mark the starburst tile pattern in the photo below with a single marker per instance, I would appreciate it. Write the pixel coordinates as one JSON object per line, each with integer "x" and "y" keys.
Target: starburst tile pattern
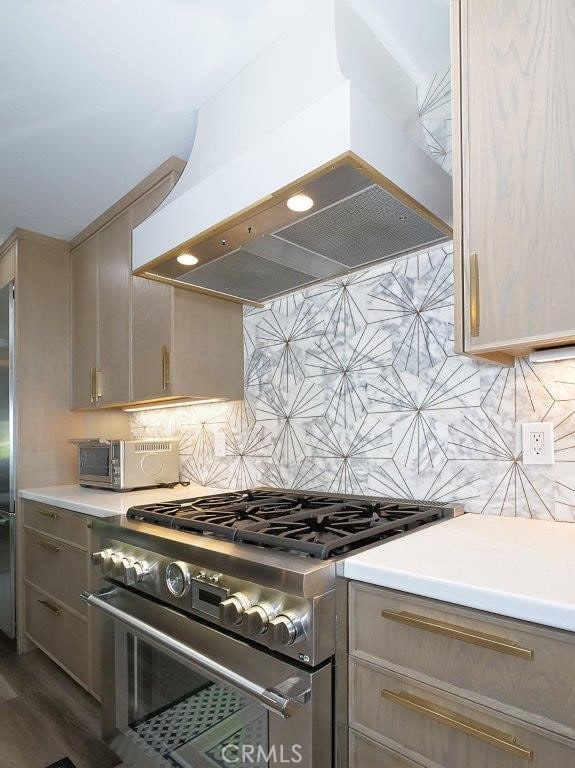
{"x": 415, "y": 301}
{"x": 434, "y": 99}
{"x": 353, "y": 386}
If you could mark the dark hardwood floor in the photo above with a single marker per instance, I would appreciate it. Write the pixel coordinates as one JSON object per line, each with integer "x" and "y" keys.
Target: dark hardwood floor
{"x": 45, "y": 716}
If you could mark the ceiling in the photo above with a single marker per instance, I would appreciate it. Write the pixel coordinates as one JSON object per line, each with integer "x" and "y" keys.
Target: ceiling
{"x": 96, "y": 94}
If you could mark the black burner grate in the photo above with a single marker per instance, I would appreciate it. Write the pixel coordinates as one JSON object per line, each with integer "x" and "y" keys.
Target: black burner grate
{"x": 321, "y": 526}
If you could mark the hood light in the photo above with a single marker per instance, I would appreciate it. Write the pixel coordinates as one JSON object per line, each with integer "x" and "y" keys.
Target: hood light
{"x": 187, "y": 259}
{"x": 300, "y": 203}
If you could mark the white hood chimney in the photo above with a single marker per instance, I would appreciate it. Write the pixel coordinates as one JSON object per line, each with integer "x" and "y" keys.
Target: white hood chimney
{"x": 324, "y": 110}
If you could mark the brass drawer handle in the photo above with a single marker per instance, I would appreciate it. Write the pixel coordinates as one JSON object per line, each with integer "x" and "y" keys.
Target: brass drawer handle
{"x": 165, "y": 368}
{"x": 482, "y": 639}
{"x": 446, "y": 717}
{"x": 52, "y": 515}
{"x": 54, "y": 609}
{"x": 474, "y": 295}
{"x": 49, "y": 547}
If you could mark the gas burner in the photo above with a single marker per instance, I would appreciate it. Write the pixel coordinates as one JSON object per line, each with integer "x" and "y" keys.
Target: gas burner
{"x": 316, "y": 525}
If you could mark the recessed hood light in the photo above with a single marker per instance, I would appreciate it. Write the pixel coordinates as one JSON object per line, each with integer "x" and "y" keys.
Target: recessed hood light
{"x": 300, "y": 203}
{"x": 187, "y": 259}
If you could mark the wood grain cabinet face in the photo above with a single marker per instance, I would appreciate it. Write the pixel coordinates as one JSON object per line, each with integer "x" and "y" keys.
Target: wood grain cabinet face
{"x": 444, "y": 730}
{"x": 138, "y": 340}
{"x": 84, "y": 322}
{"x": 114, "y": 277}
{"x": 503, "y": 662}
{"x": 151, "y": 317}
{"x": 58, "y": 632}
{"x": 151, "y": 339}
{"x": 56, "y": 522}
{"x": 366, "y": 753}
{"x": 443, "y": 685}
{"x": 56, "y": 568}
{"x": 514, "y": 154}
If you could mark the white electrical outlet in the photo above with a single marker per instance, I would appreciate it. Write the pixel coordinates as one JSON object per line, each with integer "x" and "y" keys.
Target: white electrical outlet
{"x": 220, "y": 447}
{"x": 537, "y": 443}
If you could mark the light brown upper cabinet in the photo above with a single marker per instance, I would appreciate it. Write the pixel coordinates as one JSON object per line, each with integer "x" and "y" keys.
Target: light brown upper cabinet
{"x": 84, "y": 322}
{"x": 136, "y": 340}
{"x": 514, "y": 180}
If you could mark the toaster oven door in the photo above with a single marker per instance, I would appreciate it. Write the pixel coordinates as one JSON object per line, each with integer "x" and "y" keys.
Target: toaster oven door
{"x": 95, "y": 463}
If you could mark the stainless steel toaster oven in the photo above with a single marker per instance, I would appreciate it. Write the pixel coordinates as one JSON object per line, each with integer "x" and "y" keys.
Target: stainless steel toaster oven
{"x": 123, "y": 465}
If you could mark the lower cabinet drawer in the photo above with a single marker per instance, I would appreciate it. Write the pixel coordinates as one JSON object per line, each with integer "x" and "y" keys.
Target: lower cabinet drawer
{"x": 55, "y": 521}
{"x": 58, "y": 632}
{"x": 56, "y": 568}
{"x": 510, "y": 662}
{"x": 366, "y": 753}
{"x": 444, "y": 729}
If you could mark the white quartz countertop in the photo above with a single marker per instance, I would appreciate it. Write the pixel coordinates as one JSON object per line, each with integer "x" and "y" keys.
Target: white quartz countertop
{"x": 103, "y": 503}
{"x": 511, "y": 566}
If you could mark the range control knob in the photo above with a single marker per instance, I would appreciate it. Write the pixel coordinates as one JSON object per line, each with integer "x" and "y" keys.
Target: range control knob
{"x": 256, "y": 620}
{"x": 120, "y": 565}
{"x": 102, "y": 558}
{"x": 284, "y": 630}
{"x": 135, "y": 572}
{"x": 232, "y": 609}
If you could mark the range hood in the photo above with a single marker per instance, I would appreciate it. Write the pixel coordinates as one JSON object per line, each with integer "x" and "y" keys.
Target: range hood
{"x": 324, "y": 111}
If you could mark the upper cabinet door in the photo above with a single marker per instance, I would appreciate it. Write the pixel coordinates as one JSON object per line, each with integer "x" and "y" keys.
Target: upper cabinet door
{"x": 151, "y": 339}
{"x": 151, "y": 316}
{"x": 84, "y": 323}
{"x": 114, "y": 276}
{"x": 514, "y": 173}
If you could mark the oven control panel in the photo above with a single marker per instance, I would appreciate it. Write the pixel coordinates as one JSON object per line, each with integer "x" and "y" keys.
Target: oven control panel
{"x": 269, "y": 617}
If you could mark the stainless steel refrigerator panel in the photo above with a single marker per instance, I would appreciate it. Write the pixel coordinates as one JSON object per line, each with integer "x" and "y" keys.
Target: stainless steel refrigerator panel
{"x": 7, "y": 495}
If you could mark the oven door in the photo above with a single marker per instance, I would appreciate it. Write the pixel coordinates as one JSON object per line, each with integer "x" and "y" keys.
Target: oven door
{"x": 181, "y": 694}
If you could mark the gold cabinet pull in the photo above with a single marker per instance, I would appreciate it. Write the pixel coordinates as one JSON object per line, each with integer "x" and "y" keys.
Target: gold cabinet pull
{"x": 49, "y": 547}
{"x": 98, "y": 388}
{"x": 44, "y": 513}
{"x": 474, "y": 295}
{"x": 459, "y": 633}
{"x": 52, "y": 608}
{"x": 446, "y": 717}
{"x": 165, "y": 368}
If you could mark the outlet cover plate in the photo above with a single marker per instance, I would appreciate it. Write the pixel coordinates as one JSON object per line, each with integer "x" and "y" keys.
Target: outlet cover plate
{"x": 537, "y": 443}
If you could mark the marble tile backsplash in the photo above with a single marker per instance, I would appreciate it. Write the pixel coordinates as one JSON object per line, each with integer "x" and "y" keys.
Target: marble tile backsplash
{"x": 353, "y": 386}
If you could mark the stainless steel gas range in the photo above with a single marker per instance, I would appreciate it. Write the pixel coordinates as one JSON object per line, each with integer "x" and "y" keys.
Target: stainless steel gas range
{"x": 219, "y": 623}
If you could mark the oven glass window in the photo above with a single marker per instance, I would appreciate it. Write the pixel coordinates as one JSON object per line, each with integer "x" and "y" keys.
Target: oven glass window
{"x": 95, "y": 461}
{"x": 179, "y": 718}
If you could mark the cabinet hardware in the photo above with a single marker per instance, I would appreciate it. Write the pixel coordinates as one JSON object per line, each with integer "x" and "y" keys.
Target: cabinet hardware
{"x": 49, "y": 547}
{"x": 92, "y": 385}
{"x": 54, "y": 609}
{"x": 165, "y": 368}
{"x": 474, "y": 295}
{"x": 459, "y": 633}
{"x": 493, "y": 736}
{"x": 98, "y": 388}
{"x": 52, "y": 515}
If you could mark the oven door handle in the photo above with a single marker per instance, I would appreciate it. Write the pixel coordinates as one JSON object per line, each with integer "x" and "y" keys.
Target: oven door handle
{"x": 270, "y": 698}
